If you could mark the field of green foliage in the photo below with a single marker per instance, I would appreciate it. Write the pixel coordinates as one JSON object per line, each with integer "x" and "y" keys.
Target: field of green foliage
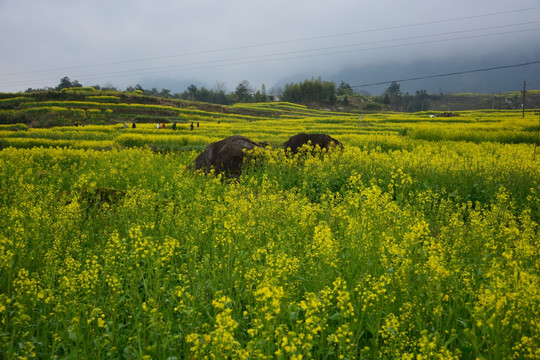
{"x": 419, "y": 240}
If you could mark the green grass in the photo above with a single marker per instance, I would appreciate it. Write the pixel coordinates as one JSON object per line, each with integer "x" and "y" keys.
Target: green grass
{"x": 396, "y": 247}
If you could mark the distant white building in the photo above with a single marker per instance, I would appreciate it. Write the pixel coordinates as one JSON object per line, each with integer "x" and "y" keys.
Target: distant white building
{"x": 274, "y": 97}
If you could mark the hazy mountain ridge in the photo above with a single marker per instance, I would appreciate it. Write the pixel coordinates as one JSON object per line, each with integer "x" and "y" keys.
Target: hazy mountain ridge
{"x": 486, "y": 82}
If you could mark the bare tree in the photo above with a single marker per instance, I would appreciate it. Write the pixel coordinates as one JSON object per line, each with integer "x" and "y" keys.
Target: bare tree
{"x": 220, "y": 86}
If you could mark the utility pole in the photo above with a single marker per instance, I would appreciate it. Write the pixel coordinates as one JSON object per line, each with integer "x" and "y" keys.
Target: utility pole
{"x": 523, "y": 100}
{"x": 537, "y": 143}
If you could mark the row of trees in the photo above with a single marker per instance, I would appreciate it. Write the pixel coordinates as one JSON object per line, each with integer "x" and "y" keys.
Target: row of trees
{"x": 306, "y": 92}
{"x": 65, "y": 83}
{"x": 244, "y": 92}
{"x": 394, "y": 98}
{"x": 314, "y": 90}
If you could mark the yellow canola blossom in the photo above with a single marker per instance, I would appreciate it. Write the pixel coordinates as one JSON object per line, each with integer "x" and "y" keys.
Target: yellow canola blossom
{"x": 418, "y": 240}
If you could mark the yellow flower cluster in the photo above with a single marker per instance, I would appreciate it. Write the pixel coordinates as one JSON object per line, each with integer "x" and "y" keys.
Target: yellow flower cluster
{"x": 398, "y": 246}
{"x": 324, "y": 251}
{"x": 220, "y": 342}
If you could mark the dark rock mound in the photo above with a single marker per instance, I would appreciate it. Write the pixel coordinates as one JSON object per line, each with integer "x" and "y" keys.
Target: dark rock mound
{"x": 323, "y": 140}
{"x": 225, "y": 156}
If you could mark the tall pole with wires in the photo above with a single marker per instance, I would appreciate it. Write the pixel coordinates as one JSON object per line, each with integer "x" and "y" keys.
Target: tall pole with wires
{"x": 537, "y": 138}
{"x": 523, "y": 100}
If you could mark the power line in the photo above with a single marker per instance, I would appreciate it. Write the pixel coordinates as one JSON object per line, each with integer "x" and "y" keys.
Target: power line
{"x": 297, "y": 53}
{"x": 290, "y": 55}
{"x": 281, "y": 42}
{"x": 449, "y": 74}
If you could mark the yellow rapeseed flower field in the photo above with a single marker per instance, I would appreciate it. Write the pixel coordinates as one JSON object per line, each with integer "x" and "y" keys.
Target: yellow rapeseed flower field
{"x": 418, "y": 240}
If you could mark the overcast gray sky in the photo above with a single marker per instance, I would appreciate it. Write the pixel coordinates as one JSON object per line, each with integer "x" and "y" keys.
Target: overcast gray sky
{"x": 126, "y": 42}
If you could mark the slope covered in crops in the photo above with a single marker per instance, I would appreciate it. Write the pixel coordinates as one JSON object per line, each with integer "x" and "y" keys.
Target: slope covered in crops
{"x": 418, "y": 240}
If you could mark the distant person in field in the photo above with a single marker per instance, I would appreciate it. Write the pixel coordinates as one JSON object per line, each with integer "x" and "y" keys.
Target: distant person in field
{"x": 197, "y": 124}
{"x": 125, "y": 126}
{"x": 191, "y": 126}
{"x": 163, "y": 125}
{"x": 133, "y": 126}
{"x": 174, "y": 126}
{"x": 157, "y": 126}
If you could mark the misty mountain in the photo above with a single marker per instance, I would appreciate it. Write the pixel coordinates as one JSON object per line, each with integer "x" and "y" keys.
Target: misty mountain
{"x": 494, "y": 81}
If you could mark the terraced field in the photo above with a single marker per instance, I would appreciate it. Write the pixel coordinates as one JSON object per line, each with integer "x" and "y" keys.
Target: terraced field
{"x": 419, "y": 240}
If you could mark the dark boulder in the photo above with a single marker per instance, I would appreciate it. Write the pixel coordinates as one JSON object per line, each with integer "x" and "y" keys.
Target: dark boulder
{"x": 225, "y": 156}
{"x": 323, "y": 140}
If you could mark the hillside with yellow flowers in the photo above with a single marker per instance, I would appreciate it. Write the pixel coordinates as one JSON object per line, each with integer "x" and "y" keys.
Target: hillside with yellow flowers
{"x": 418, "y": 240}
